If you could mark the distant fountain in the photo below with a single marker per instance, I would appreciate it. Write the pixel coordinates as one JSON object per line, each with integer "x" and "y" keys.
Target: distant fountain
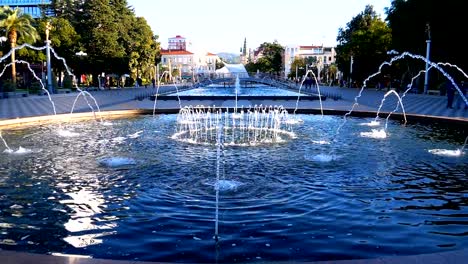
{"x": 237, "y": 91}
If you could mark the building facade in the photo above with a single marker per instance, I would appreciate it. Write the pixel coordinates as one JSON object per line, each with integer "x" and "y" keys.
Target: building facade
{"x": 176, "y": 57}
{"x": 31, "y": 7}
{"x": 206, "y": 63}
{"x": 323, "y": 56}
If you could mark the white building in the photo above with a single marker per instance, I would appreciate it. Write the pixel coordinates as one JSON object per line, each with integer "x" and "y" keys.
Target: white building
{"x": 181, "y": 60}
{"x": 206, "y": 63}
{"x": 176, "y": 56}
{"x": 324, "y": 56}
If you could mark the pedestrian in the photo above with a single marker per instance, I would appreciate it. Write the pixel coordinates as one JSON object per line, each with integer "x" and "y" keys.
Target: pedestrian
{"x": 450, "y": 93}
{"x": 460, "y": 102}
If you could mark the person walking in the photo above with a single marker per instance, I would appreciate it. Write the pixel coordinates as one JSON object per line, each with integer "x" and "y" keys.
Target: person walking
{"x": 450, "y": 94}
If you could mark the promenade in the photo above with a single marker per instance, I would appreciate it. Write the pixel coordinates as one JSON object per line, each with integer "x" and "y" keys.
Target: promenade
{"x": 137, "y": 98}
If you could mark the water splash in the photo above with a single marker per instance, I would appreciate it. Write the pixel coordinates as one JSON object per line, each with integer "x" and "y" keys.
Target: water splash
{"x": 237, "y": 90}
{"x": 227, "y": 185}
{"x": 34, "y": 76}
{"x": 260, "y": 125}
{"x": 66, "y": 133}
{"x": 410, "y": 85}
{"x": 8, "y": 149}
{"x": 219, "y": 172}
{"x": 84, "y": 93}
{"x": 375, "y": 133}
{"x": 372, "y": 123}
{"x": 318, "y": 90}
{"x": 157, "y": 91}
{"x": 322, "y": 158}
{"x": 400, "y": 102}
{"x": 449, "y": 152}
{"x": 117, "y": 162}
{"x": 389, "y": 63}
{"x": 446, "y": 152}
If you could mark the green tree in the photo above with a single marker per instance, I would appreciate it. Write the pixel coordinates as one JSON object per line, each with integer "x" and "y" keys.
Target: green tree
{"x": 143, "y": 49}
{"x": 410, "y": 21}
{"x": 297, "y": 68}
{"x": 99, "y": 28}
{"x": 366, "y": 38}
{"x": 64, "y": 40}
{"x": 18, "y": 28}
{"x": 66, "y": 9}
{"x": 271, "y": 59}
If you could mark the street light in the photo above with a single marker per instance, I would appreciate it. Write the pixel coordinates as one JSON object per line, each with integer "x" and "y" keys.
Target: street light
{"x": 49, "y": 70}
{"x": 428, "y": 50}
{"x": 351, "y": 72}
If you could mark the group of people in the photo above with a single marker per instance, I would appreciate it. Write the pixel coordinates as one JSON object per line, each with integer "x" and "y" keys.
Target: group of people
{"x": 451, "y": 92}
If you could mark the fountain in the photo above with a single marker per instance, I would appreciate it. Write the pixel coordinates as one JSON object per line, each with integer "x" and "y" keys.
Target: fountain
{"x": 264, "y": 180}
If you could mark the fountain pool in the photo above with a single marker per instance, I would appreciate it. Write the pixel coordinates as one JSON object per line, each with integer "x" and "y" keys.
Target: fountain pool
{"x": 127, "y": 189}
{"x": 259, "y": 90}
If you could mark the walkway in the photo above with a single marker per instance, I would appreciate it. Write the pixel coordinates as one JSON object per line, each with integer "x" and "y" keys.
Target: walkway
{"x": 137, "y": 98}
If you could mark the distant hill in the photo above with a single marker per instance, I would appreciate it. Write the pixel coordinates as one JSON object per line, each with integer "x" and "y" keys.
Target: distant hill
{"x": 232, "y": 58}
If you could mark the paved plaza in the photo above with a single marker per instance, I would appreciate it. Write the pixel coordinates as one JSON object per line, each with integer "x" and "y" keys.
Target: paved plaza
{"x": 138, "y": 98}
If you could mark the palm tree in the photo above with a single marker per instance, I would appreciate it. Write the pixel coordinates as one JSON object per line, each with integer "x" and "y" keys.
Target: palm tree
{"x": 16, "y": 24}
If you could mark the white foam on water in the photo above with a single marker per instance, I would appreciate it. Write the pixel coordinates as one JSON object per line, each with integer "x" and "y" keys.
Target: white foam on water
{"x": 376, "y": 133}
{"x": 321, "y": 158}
{"x": 321, "y": 142}
{"x": 106, "y": 123}
{"x": 20, "y": 151}
{"x": 446, "y": 152}
{"x": 227, "y": 185}
{"x": 135, "y": 135}
{"x": 294, "y": 121}
{"x": 115, "y": 162}
{"x": 371, "y": 124}
{"x": 66, "y": 133}
{"x": 119, "y": 139}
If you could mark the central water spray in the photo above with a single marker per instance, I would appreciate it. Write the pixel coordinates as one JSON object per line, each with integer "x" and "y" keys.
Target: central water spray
{"x": 254, "y": 126}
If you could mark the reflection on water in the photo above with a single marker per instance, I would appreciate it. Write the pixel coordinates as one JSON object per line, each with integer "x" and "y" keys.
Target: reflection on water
{"x": 128, "y": 191}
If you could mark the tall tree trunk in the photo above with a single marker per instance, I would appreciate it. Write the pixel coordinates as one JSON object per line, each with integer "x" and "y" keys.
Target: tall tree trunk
{"x": 13, "y": 37}
{"x": 13, "y": 66}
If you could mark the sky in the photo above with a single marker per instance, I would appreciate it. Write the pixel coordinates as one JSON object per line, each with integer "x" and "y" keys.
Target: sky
{"x": 221, "y": 26}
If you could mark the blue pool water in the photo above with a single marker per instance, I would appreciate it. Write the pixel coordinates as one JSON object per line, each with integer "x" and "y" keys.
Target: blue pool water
{"x": 127, "y": 190}
{"x": 249, "y": 91}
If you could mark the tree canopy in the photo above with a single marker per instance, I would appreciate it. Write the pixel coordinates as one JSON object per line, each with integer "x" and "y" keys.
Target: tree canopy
{"x": 366, "y": 38}
{"x": 413, "y": 22}
{"x": 271, "y": 59}
{"x": 113, "y": 37}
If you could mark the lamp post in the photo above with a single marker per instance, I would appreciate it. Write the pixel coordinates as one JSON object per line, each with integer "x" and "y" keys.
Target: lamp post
{"x": 428, "y": 50}
{"x": 50, "y": 87}
{"x": 351, "y": 71}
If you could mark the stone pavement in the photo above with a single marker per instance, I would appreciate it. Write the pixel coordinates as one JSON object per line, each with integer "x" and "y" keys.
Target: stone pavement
{"x": 137, "y": 98}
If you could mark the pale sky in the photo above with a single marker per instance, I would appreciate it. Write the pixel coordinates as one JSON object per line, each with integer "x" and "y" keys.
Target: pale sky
{"x": 221, "y": 26}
